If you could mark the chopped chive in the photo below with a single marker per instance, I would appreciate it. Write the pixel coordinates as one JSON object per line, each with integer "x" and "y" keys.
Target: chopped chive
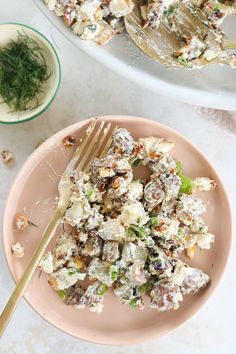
{"x": 184, "y": 62}
{"x": 142, "y": 289}
{"x": 92, "y": 27}
{"x": 139, "y": 231}
{"x": 62, "y": 294}
{"x": 133, "y": 304}
{"x": 102, "y": 289}
{"x": 72, "y": 271}
{"x": 114, "y": 275}
{"x": 169, "y": 12}
{"x": 135, "y": 162}
{"x": 154, "y": 221}
{"x": 90, "y": 193}
{"x": 217, "y": 7}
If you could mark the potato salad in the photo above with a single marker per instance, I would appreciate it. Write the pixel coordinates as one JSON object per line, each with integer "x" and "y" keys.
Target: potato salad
{"x": 126, "y": 235}
{"x": 96, "y": 20}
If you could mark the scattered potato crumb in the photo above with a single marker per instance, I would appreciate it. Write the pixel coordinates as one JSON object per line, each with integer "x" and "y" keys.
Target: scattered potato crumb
{"x": 204, "y": 183}
{"x": 6, "y": 156}
{"x": 53, "y": 282}
{"x": 17, "y": 250}
{"x": 69, "y": 141}
{"x": 21, "y": 222}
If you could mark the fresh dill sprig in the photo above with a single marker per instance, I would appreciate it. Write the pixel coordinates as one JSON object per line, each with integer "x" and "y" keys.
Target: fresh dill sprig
{"x": 23, "y": 70}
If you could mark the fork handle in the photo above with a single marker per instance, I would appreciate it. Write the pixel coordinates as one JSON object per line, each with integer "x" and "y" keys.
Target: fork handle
{"x": 24, "y": 280}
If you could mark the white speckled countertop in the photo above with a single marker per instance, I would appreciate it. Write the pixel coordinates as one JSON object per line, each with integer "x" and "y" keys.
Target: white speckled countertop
{"x": 89, "y": 89}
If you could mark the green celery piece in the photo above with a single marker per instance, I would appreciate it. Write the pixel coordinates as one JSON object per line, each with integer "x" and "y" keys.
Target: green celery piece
{"x": 186, "y": 184}
{"x": 179, "y": 169}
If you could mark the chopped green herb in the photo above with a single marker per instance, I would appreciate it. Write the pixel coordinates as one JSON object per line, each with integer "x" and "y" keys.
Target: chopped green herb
{"x": 102, "y": 289}
{"x": 72, "y": 271}
{"x": 90, "y": 193}
{"x": 23, "y": 70}
{"x": 217, "y": 7}
{"x": 92, "y": 27}
{"x": 62, "y": 294}
{"x": 154, "y": 221}
{"x": 180, "y": 231}
{"x": 149, "y": 284}
{"x": 114, "y": 272}
{"x": 169, "y": 12}
{"x": 142, "y": 289}
{"x": 135, "y": 162}
{"x": 130, "y": 233}
{"x": 139, "y": 231}
{"x": 184, "y": 62}
{"x": 124, "y": 279}
{"x": 133, "y": 304}
{"x": 114, "y": 275}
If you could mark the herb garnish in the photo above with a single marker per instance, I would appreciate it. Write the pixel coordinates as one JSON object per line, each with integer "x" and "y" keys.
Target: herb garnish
{"x": 184, "y": 62}
{"x": 217, "y": 7}
{"x": 90, "y": 193}
{"x": 102, "y": 289}
{"x": 138, "y": 231}
{"x": 23, "y": 70}
{"x": 136, "y": 162}
{"x": 62, "y": 294}
{"x": 133, "y": 304}
{"x": 169, "y": 11}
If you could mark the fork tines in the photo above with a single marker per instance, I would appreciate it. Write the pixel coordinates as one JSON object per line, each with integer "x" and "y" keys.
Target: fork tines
{"x": 95, "y": 143}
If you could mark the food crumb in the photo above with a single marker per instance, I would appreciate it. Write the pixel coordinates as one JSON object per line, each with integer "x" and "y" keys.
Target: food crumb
{"x": 69, "y": 141}
{"x": 6, "y": 156}
{"x": 17, "y": 250}
{"x": 21, "y": 222}
{"x": 190, "y": 251}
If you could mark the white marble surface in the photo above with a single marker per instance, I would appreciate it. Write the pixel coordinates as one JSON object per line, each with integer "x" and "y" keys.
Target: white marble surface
{"x": 89, "y": 89}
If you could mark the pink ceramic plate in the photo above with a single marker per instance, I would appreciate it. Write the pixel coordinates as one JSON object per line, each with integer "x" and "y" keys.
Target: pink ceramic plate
{"x": 33, "y": 193}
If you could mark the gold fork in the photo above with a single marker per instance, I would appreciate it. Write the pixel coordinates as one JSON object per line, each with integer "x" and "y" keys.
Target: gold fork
{"x": 97, "y": 134}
